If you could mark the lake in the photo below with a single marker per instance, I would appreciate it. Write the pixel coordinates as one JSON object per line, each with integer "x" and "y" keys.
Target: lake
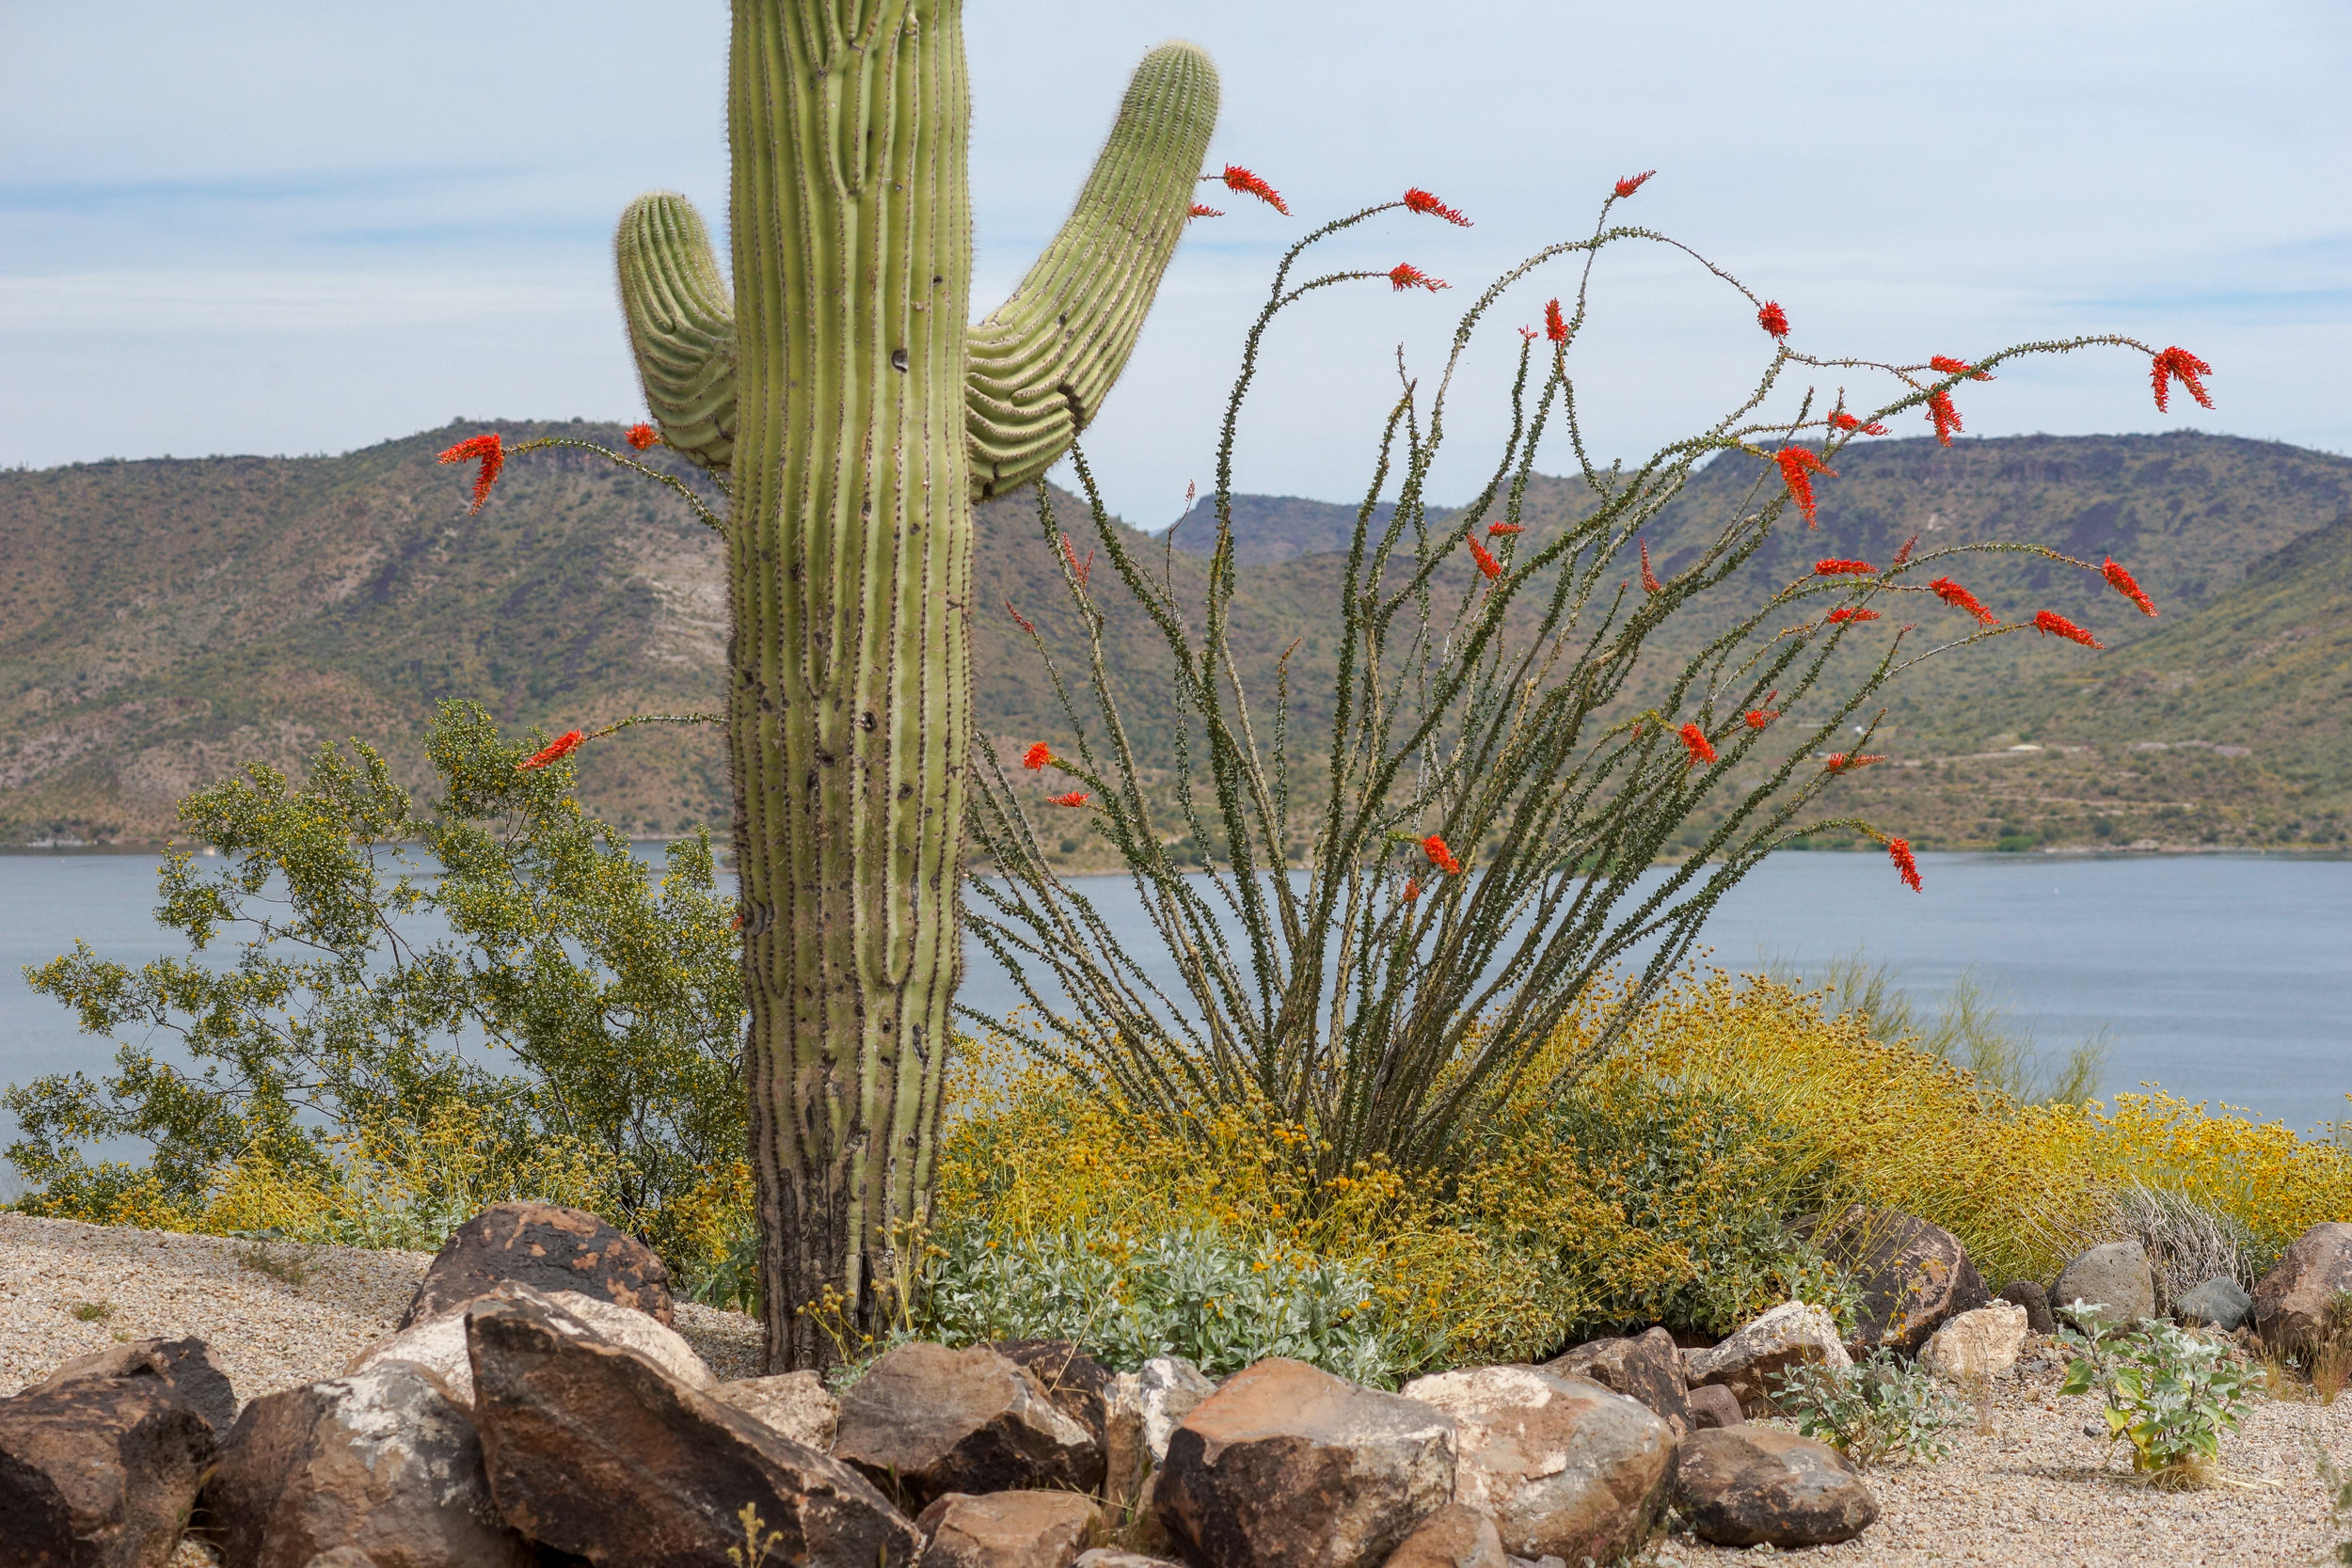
{"x": 2222, "y": 977}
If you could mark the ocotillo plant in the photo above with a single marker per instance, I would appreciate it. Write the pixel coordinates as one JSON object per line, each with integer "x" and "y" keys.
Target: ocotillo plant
{"x": 852, "y": 415}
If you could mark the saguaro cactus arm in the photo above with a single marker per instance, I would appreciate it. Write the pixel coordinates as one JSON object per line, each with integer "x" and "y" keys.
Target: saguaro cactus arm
{"x": 1040, "y": 364}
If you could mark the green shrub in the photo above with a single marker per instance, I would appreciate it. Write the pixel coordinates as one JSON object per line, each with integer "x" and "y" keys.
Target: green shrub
{"x": 2170, "y": 1393}
{"x": 1883, "y": 1409}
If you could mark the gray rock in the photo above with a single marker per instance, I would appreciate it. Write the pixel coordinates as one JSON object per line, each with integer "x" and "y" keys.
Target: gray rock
{"x": 98, "y": 1473}
{"x": 548, "y": 1248}
{"x": 1563, "y": 1467}
{"x": 1075, "y": 1381}
{"x": 439, "y": 1344}
{"x": 2116, "y": 1278}
{"x": 797, "y": 1404}
{"x": 1168, "y": 1388}
{"x": 1751, "y": 1360}
{"x": 1287, "y": 1466}
{"x": 2294, "y": 1302}
{"x": 1979, "y": 1344}
{"x": 1456, "y": 1536}
{"x": 2036, "y": 1301}
{"x": 1715, "y": 1407}
{"x": 184, "y": 1366}
{"x": 927, "y": 1420}
{"x": 1111, "y": 1557}
{"x": 1008, "y": 1529}
{"x": 1755, "y": 1486}
{"x": 2220, "y": 1302}
{"x": 1913, "y": 1275}
{"x": 1646, "y": 1367}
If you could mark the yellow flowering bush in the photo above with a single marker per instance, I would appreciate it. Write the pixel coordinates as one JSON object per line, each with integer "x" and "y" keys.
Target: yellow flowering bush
{"x": 2260, "y": 1174}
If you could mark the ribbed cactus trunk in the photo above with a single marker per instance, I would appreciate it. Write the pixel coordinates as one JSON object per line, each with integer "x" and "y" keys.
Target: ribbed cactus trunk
{"x": 858, "y": 415}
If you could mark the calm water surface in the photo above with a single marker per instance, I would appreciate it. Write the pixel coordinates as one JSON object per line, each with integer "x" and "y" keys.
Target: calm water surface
{"x": 2220, "y": 978}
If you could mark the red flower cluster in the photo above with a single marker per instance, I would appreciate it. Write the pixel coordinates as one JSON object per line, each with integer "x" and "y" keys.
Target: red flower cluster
{"x": 1649, "y": 578}
{"x": 641, "y": 436}
{"x": 1405, "y": 276}
{"x": 1760, "y": 717}
{"x": 562, "y": 746}
{"x": 2178, "y": 364}
{"x": 1798, "y": 465}
{"x": 1898, "y": 850}
{"x": 1439, "y": 856}
{"x": 1943, "y": 415}
{"x": 1503, "y": 531}
{"x": 1555, "y": 324}
{"x": 2049, "y": 623}
{"x": 1077, "y": 568}
{"x": 1422, "y": 201}
{"x": 1486, "y": 562}
{"x": 1834, "y": 568}
{"x": 1905, "y": 554}
{"x": 1019, "y": 620}
{"x": 1239, "y": 179}
{"x": 1950, "y": 366}
{"x": 1772, "y": 319}
{"x": 1838, "y": 617}
{"x": 1200, "y": 210}
{"x": 1694, "y": 742}
{"x": 1037, "y": 756}
{"x": 1843, "y": 420}
{"x": 1959, "y": 599}
{"x": 2121, "y": 580}
{"x": 1412, "y": 889}
{"x": 1076, "y": 798}
{"x": 1846, "y": 762}
{"x": 1632, "y": 182}
{"x": 490, "y": 453}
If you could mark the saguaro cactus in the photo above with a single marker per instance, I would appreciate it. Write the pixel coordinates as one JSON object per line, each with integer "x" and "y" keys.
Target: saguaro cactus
{"x": 856, "y": 417}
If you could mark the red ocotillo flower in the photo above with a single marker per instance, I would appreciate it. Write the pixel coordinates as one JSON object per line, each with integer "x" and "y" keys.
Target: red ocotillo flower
{"x": 1846, "y": 762}
{"x": 1835, "y": 568}
{"x": 1077, "y": 568}
{"x": 1760, "y": 717}
{"x": 1942, "y": 415}
{"x": 1201, "y": 211}
{"x": 1772, "y": 319}
{"x": 1959, "y": 599}
{"x": 1503, "y": 531}
{"x": 2049, "y": 623}
{"x": 1843, "y": 420}
{"x": 1649, "y": 578}
{"x": 1905, "y": 554}
{"x": 2121, "y": 580}
{"x": 1486, "y": 562}
{"x": 1239, "y": 179}
{"x": 1632, "y": 182}
{"x": 1694, "y": 742}
{"x": 1798, "y": 465}
{"x": 1950, "y": 366}
{"x": 1439, "y": 856}
{"x": 562, "y": 746}
{"x": 1412, "y": 889}
{"x": 1019, "y": 620}
{"x": 1529, "y": 333}
{"x": 490, "y": 453}
{"x": 1555, "y": 324}
{"x": 1838, "y": 617}
{"x": 2177, "y": 363}
{"x": 1076, "y": 798}
{"x": 1898, "y": 850}
{"x": 1037, "y": 756}
{"x": 641, "y": 436}
{"x": 1405, "y": 276}
{"x": 1424, "y": 201}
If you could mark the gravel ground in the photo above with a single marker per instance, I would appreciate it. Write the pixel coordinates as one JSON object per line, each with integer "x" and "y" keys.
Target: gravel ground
{"x": 2034, "y": 1490}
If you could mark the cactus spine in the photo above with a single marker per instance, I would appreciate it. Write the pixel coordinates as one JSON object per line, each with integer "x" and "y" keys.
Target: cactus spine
{"x": 856, "y": 416}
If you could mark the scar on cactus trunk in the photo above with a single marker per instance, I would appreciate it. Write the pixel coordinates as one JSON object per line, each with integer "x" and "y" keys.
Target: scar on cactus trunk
{"x": 855, "y": 416}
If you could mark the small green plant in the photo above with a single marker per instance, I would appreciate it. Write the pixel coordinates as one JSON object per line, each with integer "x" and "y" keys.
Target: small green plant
{"x": 292, "y": 1267}
{"x": 2170, "y": 1393}
{"x": 1882, "y": 1409}
{"x": 93, "y": 1311}
{"x": 755, "y": 1546}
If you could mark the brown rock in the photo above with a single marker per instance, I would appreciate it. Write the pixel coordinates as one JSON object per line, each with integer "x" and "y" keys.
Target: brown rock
{"x": 1075, "y": 1381}
{"x": 1287, "y": 1466}
{"x": 1008, "y": 1529}
{"x": 1456, "y": 1536}
{"x": 1913, "y": 1275}
{"x": 1111, "y": 1557}
{"x": 1713, "y": 1408}
{"x": 1565, "y": 1467}
{"x": 1749, "y": 1362}
{"x": 546, "y": 1248}
{"x": 1647, "y": 1368}
{"x": 2035, "y": 1300}
{"x": 1755, "y": 1486}
{"x": 439, "y": 1344}
{"x": 927, "y": 1420}
{"x": 593, "y": 1449}
{"x": 2294, "y": 1305}
{"x": 383, "y": 1464}
{"x": 795, "y": 1403}
{"x": 98, "y": 1473}
{"x": 184, "y": 1366}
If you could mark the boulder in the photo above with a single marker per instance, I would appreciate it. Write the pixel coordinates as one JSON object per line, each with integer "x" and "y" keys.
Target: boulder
{"x": 1977, "y": 1344}
{"x": 439, "y": 1344}
{"x": 2115, "y": 1279}
{"x": 1456, "y": 1536}
{"x": 1755, "y": 1486}
{"x": 383, "y": 1463}
{"x": 99, "y": 1473}
{"x": 182, "y": 1367}
{"x": 1647, "y": 1368}
{"x": 1715, "y": 1407}
{"x": 1008, "y": 1529}
{"x": 1750, "y": 1361}
{"x": 1168, "y": 1388}
{"x": 1913, "y": 1275}
{"x": 927, "y": 1420}
{"x": 1565, "y": 1467}
{"x": 1287, "y": 1466}
{"x": 795, "y": 1403}
{"x": 1111, "y": 1557}
{"x": 1075, "y": 1381}
{"x": 2219, "y": 1302}
{"x": 546, "y": 1248}
{"x": 1140, "y": 1410}
{"x": 2036, "y": 1301}
{"x": 595, "y": 1451}
{"x": 2294, "y": 1302}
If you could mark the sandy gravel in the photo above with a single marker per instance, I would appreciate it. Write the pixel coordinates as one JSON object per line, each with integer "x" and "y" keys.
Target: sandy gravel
{"x": 2034, "y": 1491}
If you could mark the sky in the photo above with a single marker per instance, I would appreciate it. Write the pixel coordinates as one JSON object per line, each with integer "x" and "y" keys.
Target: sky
{"x": 292, "y": 228}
